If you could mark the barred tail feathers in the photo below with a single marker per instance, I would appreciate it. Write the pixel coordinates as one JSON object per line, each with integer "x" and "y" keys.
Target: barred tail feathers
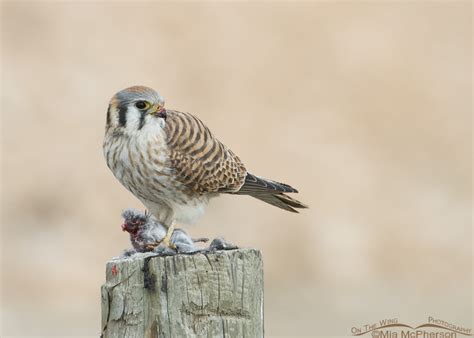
{"x": 271, "y": 192}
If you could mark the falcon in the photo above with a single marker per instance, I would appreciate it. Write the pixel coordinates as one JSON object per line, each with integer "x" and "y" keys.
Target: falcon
{"x": 173, "y": 163}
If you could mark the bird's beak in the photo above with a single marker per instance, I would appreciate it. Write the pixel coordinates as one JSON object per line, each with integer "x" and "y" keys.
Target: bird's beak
{"x": 157, "y": 109}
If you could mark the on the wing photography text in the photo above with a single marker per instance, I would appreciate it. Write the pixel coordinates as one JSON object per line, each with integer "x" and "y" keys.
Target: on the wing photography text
{"x": 393, "y": 328}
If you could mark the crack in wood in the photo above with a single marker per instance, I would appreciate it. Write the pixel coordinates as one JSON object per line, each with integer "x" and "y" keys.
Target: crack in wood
{"x": 167, "y": 299}
{"x": 149, "y": 278}
{"x": 224, "y": 314}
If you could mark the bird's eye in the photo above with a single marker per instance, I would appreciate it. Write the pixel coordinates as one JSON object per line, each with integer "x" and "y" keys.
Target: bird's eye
{"x": 142, "y": 104}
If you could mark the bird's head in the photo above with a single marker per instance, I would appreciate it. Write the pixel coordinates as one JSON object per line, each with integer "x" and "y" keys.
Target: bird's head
{"x": 134, "y": 107}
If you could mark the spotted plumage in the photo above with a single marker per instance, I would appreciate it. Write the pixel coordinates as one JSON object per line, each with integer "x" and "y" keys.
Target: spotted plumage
{"x": 173, "y": 163}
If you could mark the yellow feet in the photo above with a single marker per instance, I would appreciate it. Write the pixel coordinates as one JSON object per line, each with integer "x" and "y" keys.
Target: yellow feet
{"x": 166, "y": 241}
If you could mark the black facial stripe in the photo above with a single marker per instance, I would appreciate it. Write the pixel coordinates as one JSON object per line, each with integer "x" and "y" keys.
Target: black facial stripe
{"x": 122, "y": 116}
{"x": 142, "y": 120}
{"x": 108, "y": 115}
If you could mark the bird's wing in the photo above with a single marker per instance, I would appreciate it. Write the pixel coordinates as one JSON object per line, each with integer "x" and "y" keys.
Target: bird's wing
{"x": 200, "y": 161}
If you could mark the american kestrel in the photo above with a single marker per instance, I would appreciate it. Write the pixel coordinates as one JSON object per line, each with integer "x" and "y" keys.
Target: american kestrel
{"x": 173, "y": 163}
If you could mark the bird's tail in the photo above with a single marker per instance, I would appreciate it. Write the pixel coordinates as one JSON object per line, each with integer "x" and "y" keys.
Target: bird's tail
{"x": 271, "y": 192}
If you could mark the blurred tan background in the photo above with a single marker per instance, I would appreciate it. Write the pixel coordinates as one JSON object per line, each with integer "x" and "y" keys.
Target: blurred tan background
{"x": 363, "y": 106}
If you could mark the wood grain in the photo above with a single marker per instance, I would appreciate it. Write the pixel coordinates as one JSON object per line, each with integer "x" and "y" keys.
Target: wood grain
{"x": 203, "y": 295}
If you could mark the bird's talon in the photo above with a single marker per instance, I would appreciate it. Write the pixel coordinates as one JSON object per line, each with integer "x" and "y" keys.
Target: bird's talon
{"x": 166, "y": 242}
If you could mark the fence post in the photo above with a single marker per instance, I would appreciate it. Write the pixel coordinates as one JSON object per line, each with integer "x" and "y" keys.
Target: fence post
{"x": 216, "y": 294}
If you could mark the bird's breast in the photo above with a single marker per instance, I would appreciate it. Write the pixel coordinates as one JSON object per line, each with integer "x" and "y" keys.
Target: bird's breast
{"x": 141, "y": 162}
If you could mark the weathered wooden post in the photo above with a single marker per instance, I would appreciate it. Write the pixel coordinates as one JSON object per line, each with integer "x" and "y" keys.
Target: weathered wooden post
{"x": 217, "y": 294}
